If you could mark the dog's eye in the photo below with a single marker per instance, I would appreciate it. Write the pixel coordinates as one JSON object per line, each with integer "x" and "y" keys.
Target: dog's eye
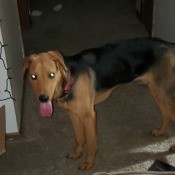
{"x": 34, "y": 77}
{"x": 51, "y": 75}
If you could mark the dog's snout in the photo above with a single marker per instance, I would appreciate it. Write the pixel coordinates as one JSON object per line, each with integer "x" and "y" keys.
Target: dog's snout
{"x": 43, "y": 98}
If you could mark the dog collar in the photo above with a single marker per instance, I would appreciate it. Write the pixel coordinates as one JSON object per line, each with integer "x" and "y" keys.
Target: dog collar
{"x": 66, "y": 87}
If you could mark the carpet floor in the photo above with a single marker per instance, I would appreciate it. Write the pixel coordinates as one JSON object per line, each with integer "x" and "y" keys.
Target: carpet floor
{"x": 124, "y": 121}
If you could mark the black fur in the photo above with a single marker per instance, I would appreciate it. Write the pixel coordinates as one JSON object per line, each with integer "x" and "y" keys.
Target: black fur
{"x": 119, "y": 62}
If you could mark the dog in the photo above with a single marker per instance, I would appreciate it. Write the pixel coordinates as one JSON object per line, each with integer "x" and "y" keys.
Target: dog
{"x": 79, "y": 82}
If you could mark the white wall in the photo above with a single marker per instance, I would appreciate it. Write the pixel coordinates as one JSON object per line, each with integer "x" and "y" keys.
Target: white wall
{"x": 164, "y": 20}
{"x": 11, "y": 122}
{"x": 13, "y": 54}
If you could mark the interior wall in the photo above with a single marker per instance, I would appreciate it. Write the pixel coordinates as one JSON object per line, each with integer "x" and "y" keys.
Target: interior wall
{"x": 164, "y": 25}
{"x": 13, "y": 52}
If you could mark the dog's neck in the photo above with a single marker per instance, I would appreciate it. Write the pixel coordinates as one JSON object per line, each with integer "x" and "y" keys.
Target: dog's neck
{"x": 63, "y": 86}
{"x": 66, "y": 87}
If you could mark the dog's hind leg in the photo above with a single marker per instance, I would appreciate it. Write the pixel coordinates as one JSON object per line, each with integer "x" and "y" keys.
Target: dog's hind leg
{"x": 162, "y": 86}
{"x": 103, "y": 95}
{"x": 172, "y": 108}
{"x": 159, "y": 95}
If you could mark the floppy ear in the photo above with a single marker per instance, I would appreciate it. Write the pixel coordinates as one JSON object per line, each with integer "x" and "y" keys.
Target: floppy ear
{"x": 26, "y": 64}
{"x": 58, "y": 58}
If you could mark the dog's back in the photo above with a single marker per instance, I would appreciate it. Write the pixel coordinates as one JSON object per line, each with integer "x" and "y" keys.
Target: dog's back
{"x": 119, "y": 62}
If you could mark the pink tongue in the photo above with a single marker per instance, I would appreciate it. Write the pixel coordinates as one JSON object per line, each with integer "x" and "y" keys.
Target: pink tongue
{"x": 46, "y": 109}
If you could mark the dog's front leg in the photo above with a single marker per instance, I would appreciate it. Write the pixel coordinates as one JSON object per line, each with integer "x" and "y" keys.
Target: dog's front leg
{"x": 79, "y": 136}
{"x": 81, "y": 111}
{"x": 91, "y": 139}
{"x": 84, "y": 125}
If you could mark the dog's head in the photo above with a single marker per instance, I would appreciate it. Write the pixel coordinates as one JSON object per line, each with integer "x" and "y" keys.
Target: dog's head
{"x": 46, "y": 72}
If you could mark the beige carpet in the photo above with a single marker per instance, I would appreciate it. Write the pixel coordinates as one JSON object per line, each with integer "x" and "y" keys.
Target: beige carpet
{"x": 124, "y": 121}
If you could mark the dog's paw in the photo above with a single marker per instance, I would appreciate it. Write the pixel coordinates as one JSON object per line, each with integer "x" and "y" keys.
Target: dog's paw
{"x": 86, "y": 166}
{"x": 172, "y": 148}
{"x": 73, "y": 155}
{"x": 157, "y": 133}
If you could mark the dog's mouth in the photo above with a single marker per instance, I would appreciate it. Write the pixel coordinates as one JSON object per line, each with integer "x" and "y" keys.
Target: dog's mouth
{"x": 46, "y": 109}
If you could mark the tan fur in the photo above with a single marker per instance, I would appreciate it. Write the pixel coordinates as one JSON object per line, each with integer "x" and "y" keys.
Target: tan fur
{"x": 103, "y": 95}
{"x": 41, "y": 65}
{"x": 82, "y": 114}
{"x": 160, "y": 80}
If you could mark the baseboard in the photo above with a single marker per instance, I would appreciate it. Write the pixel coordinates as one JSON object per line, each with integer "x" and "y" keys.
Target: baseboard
{"x": 12, "y": 136}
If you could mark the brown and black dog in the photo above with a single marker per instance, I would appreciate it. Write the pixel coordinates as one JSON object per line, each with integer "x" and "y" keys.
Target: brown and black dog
{"x": 79, "y": 82}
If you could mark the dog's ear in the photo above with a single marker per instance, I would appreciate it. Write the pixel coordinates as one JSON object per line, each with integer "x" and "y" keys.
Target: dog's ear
{"x": 58, "y": 59}
{"x": 26, "y": 64}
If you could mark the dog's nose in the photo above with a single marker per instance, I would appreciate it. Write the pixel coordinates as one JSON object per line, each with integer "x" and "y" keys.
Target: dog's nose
{"x": 43, "y": 98}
